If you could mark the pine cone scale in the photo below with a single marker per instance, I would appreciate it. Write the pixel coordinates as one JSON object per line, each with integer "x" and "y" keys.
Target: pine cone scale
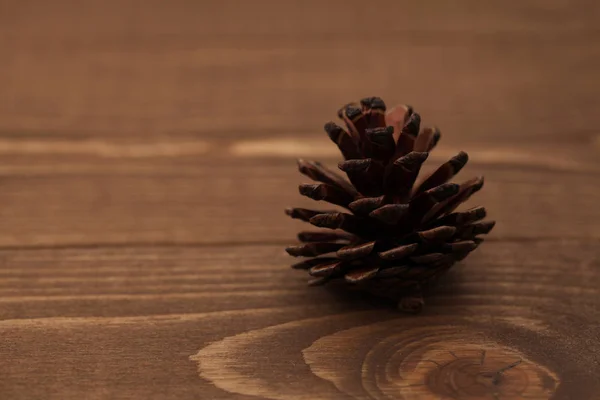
{"x": 353, "y": 252}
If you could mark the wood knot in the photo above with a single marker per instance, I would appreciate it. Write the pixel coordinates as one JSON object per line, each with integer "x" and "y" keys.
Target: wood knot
{"x": 413, "y": 358}
{"x": 473, "y": 371}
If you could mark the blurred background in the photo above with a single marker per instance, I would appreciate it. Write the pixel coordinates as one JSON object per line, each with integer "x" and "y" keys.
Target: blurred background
{"x": 142, "y": 121}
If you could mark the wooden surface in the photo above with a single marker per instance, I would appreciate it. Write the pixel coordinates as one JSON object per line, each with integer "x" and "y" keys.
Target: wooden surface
{"x": 147, "y": 151}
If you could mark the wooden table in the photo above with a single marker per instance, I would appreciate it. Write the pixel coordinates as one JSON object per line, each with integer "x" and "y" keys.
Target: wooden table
{"x": 148, "y": 151}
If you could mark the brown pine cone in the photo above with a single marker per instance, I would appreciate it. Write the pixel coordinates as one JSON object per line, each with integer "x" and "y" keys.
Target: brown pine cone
{"x": 395, "y": 236}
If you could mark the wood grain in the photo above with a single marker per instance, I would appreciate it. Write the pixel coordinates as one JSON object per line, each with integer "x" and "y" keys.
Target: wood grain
{"x": 147, "y": 152}
{"x": 536, "y": 300}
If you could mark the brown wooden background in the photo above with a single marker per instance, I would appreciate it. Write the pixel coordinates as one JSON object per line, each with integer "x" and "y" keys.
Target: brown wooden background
{"x": 147, "y": 153}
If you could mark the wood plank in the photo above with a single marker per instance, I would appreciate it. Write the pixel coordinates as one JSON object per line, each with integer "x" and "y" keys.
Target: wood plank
{"x": 243, "y": 201}
{"x": 109, "y": 68}
{"x": 536, "y": 301}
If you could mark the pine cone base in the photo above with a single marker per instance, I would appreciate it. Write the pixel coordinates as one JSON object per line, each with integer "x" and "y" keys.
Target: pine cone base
{"x": 388, "y": 235}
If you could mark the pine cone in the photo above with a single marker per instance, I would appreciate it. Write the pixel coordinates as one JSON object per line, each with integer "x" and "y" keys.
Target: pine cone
{"x": 395, "y": 237}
